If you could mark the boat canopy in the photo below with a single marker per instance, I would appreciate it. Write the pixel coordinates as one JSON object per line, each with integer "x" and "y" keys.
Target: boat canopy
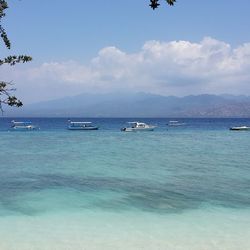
{"x": 136, "y": 123}
{"x": 80, "y": 122}
{"x": 21, "y": 123}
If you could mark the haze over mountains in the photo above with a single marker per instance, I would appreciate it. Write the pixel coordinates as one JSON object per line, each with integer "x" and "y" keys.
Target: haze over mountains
{"x": 138, "y": 105}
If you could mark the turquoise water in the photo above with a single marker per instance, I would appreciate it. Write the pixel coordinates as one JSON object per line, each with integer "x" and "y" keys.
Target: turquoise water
{"x": 174, "y": 188}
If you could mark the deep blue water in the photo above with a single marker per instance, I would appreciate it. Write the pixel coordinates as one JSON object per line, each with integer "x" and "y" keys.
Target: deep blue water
{"x": 47, "y": 124}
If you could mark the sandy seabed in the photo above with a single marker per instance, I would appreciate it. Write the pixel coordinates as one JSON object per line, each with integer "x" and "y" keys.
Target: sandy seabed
{"x": 210, "y": 229}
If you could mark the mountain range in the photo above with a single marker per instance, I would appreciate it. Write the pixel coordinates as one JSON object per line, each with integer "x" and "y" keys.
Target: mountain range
{"x": 138, "y": 105}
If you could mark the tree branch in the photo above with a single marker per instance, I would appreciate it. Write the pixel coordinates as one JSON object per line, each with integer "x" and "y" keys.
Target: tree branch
{"x": 5, "y": 92}
{"x": 6, "y": 97}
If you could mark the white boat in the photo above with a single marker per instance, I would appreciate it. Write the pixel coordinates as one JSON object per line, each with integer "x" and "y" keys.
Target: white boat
{"x": 23, "y": 126}
{"x": 243, "y": 128}
{"x": 175, "y": 123}
{"x": 138, "y": 126}
{"x": 81, "y": 126}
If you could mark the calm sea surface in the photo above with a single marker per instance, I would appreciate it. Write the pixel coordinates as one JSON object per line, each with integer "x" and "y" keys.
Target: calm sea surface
{"x": 180, "y": 188}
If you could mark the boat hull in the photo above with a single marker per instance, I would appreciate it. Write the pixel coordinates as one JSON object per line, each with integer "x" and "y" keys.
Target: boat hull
{"x": 137, "y": 129}
{"x": 82, "y": 128}
{"x": 244, "y": 128}
{"x": 24, "y": 128}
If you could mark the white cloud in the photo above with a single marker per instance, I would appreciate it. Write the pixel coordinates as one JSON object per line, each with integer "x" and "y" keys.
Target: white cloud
{"x": 170, "y": 68}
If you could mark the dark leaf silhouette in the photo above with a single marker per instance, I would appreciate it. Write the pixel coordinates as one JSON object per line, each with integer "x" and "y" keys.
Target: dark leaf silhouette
{"x": 6, "y": 90}
{"x": 155, "y": 3}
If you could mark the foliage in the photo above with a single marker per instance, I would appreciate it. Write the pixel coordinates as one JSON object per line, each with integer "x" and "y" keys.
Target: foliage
{"x": 5, "y": 87}
{"x": 155, "y": 3}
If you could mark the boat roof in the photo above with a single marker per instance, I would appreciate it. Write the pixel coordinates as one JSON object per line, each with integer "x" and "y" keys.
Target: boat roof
{"x": 21, "y": 122}
{"x": 81, "y": 122}
{"x": 135, "y": 122}
{"x": 241, "y": 127}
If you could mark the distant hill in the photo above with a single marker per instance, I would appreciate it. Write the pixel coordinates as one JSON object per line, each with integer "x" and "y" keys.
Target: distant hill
{"x": 138, "y": 105}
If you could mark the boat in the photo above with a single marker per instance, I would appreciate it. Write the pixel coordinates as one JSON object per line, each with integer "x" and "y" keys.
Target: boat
{"x": 81, "y": 126}
{"x": 175, "y": 123}
{"x": 23, "y": 126}
{"x": 138, "y": 126}
{"x": 240, "y": 128}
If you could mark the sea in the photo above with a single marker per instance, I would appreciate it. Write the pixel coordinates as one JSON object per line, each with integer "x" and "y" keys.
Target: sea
{"x": 175, "y": 188}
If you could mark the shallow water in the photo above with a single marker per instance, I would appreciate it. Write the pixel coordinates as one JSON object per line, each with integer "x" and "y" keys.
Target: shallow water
{"x": 175, "y": 188}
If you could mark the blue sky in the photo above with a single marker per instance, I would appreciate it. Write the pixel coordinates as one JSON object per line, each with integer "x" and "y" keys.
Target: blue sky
{"x": 96, "y": 41}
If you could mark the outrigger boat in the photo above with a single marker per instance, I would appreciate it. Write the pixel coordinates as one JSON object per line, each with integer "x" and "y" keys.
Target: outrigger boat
{"x": 240, "y": 128}
{"x": 175, "y": 123}
{"x": 138, "y": 126}
{"x": 81, "y": 126}
{"x": 23, "y": 126}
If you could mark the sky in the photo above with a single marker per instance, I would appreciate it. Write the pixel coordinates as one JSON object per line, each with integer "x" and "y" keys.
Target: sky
{"x": 98, "y": 46}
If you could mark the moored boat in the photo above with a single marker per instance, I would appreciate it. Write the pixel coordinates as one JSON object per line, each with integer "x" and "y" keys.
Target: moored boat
{"x": 138, "y": 126}
{"x": 23, "y": 126}
{"x": 81, "y": 126}
{"x": 240, "y": 128}
{"x": 175, "y": 123}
